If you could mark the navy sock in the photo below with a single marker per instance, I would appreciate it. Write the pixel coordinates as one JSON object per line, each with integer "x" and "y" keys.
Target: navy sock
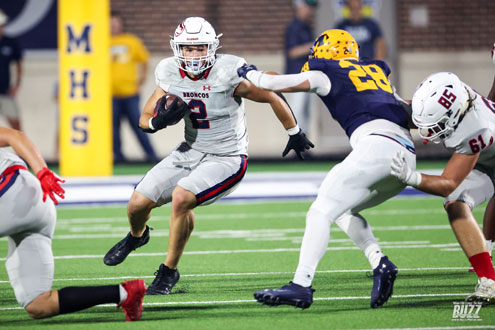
{"x": 72, "y": 299}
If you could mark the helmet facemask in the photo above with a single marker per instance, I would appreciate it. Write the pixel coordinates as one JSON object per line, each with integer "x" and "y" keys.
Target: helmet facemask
{"x": 439, "y": 105}
{"x": 194, "y": 65}
{"x": 195, "y": 31}
{"x": 435, "y": 132}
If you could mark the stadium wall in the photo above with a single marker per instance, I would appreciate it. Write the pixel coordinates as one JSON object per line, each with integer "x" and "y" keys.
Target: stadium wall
{"x": 423, "y": 36}
{"x": 267, "y": 138}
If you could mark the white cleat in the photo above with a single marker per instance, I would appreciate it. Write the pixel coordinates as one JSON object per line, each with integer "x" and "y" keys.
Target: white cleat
{"x": 484, "y": 292}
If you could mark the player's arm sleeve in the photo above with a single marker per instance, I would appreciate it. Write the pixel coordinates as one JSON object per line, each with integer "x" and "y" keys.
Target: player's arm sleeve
{"x": 319, "y": 82}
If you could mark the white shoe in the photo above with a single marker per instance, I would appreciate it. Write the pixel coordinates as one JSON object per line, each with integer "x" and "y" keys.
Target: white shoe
{"x": 484, "y": 292}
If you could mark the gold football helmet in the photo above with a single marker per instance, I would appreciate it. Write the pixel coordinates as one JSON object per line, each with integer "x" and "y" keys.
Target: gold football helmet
{"x": 335, "y": 45}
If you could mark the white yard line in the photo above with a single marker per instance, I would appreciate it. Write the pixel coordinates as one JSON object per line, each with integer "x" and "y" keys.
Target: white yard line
{"x": 250, "y": 274}
{"x": 391, "y": 212}
{"x": 343, "y": 248}
{"x": 94, "y": 232}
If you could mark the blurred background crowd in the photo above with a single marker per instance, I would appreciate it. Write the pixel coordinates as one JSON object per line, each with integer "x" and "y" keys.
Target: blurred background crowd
{"x": 415, "y": 37}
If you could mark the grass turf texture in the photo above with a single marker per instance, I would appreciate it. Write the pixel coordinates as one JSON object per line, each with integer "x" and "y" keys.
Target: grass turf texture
{"x": 236, "y": 249}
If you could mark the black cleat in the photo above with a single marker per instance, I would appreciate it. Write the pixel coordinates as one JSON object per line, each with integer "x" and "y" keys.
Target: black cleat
{"x": 292, "y": 294}
{"x": 121, "y": 250}
{"x": 383, "y": 282}
{"x": 164, "y": 281}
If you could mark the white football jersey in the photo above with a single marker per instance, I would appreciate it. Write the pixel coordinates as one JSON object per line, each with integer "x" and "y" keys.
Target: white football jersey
{"x": 216, "y": 123}
{"x": 8, "y": 159}
{"x": 475, "y": 132}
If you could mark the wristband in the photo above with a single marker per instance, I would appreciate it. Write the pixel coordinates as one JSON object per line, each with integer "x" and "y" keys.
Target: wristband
{"x": 150, "y": 125}
{"x": 415, "y": 179}
{"x": 294, "y": 130}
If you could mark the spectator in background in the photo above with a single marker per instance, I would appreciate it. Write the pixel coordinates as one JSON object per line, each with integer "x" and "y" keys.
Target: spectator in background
{"x": 299, "y": 39}
{"x": 10, "y": 52}
{"x": 129, "y": 67}
{"x": 365, "y": 30}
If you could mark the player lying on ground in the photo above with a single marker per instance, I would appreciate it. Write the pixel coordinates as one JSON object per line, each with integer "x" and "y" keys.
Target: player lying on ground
{"x": 28, "y": 221}
{"x": 447, "y": 110}
{"x": 212, "y": 160}
{"x": 360, "y": 97}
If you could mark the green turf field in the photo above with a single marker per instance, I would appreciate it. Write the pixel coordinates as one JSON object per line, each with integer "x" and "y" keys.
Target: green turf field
{"x": 239, "y": 248}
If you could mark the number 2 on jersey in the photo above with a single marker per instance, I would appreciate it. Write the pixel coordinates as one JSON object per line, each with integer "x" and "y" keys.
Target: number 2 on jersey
{"x": 366, "y": 77}
{"x": 198, "y": 114}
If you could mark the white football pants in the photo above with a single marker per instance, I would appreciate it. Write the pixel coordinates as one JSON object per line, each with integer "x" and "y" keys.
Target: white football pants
{"x": 29, "y": 224}
{"x": 361, "y": 181}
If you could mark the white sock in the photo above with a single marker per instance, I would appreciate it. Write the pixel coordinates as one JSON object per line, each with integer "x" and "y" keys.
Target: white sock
{"x": 359, "y": 231}
{"x": 123, "y": 294}
{"x": 313, "y": 247}
{"x": 490, "y": 244}
{"x": 374, "y": 255}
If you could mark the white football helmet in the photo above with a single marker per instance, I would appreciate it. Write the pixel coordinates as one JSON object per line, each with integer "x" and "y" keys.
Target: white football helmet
{"x": 438, "y": 105}
{"x": 195, "y": 31}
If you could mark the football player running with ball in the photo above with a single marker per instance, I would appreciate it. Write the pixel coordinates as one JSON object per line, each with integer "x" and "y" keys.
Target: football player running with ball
{"x": 28, "y": 221}
{"x": 447, "y": 110}
{"x": 212, "y": 160}
{"x": 360, "y": 97}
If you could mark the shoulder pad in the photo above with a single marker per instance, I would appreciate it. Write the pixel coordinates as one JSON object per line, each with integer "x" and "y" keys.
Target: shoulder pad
{"x": 224, "y": 71}
{"x": 166, "y": 73}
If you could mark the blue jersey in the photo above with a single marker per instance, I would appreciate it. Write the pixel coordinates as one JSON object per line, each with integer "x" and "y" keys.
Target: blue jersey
{"x": 360, "y": 93}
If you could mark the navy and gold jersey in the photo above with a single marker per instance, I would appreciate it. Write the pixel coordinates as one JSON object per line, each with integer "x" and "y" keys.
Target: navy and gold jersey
{"x": 360, "y": 92}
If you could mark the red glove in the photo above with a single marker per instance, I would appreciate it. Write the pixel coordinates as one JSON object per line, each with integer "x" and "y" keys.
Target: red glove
{"x": 50, "y": 184}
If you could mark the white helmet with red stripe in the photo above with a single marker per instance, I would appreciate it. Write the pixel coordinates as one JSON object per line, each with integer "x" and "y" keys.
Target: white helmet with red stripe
{"x": 438, "y": 105}
{"x": 195, "y": 31}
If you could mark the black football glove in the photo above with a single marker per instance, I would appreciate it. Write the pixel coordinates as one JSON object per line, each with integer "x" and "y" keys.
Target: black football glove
{"x": 243, "y": 70}
{"x": 299, "y": 143}
{"x": 166, "y": 116}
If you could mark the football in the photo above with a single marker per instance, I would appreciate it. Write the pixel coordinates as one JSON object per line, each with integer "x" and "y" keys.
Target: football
{"x": 171, "y": 98}
{"x": 171, "y": 113}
